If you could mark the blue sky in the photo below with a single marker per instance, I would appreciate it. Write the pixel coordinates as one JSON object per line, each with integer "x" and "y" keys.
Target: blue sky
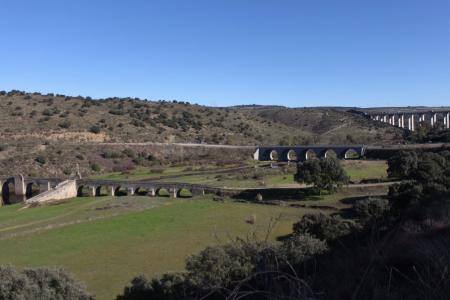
{"x": 227, "y": 52}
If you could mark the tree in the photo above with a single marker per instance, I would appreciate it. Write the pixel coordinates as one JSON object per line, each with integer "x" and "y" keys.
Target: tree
{"x": 325, "y": 174}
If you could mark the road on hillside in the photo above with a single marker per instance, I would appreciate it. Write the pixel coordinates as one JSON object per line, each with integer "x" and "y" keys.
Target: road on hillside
{"x": 399, "y": 146}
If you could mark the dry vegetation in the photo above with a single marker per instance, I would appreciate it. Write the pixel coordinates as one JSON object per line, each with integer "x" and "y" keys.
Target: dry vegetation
{"x": 50, "y": 134}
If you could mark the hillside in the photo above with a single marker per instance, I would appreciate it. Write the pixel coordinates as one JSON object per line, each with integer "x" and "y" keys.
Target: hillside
{"x": 50, "y": 134}
{"x": 59, "y": 117}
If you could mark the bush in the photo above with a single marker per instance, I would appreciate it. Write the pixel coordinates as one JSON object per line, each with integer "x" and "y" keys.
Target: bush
{"x": 94, "y": 129}
{"x": 95, "y": 167}
{"x": 322, "y": 226}
{"x": 129, "y": 152}
{"x": 138, "y": 160}
{"x": 55, "y": 284}
{"x": 41, "y": 159}
{"x": 3, "y": 147}
{"x": 111, "y": 154}
{"x": 301, "y": 247}
{"x": 40, "y": 283}
{"x": 65, "y": 124}
{"x": 167, "y": 287}
{"x": 371, "y": 209}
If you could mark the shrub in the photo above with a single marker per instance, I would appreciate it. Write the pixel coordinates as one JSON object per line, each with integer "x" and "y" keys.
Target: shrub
{"x": 138, "y": 160}
{"x": 40, "y": 283}
{"x": 3, "y": 147}
{"x": 65, "y": 124}
{"x": 371, "y": 208}
{"x": 111, "y": 154}
{"x": 168, "y": 287}
{"x": 47, "y": 112}
{"x": 129, "y": 152}
{"x": 301, "y": 247}
{"x": 95, "y": 167}
{"x": 55, "y": 284}
{"x": 322, "y": 226}
{"x": 94, "y": 129}
{"x": 41, "y": 159}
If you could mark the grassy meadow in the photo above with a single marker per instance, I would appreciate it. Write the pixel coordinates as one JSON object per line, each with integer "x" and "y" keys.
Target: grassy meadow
{"x": 356, "y": 169}
{"x": 106, "y": 241}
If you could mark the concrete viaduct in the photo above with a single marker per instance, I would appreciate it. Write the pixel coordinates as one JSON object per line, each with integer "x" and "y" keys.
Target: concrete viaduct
{"x": 410, "y": 120}
{"x": 303, "y": 153}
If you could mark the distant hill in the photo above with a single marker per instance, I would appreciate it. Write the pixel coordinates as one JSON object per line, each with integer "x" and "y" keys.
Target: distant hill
{"x": 59, "y": 117}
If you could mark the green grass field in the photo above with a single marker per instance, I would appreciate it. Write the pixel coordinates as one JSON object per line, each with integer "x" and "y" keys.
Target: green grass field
{"x": 356, "y": 169}
{"x": 107, "y": 241}
{"x": 151, "y": 173}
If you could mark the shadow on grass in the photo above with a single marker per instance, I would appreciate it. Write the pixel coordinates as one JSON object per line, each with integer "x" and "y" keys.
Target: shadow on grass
{"x": 284, "y": 194}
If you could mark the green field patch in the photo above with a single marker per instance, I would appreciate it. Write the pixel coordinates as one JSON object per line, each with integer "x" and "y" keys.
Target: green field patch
{"x": 365, "y": 169}
{"x": 155, "y": 172}
{"x": 108, "y": 251}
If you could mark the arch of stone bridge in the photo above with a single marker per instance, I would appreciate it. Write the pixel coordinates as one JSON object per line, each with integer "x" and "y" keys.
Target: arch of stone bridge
{"x": 310, "y": 154}
{"x": 32, "y": 189}
{"x": 351, "y": 154}
{"x": 330, "y": 153}
{"x": 291, "y": 155}
{"x": 162, "y": 192}
{"x": 7, "y": 190}
{"x": 85, "y": 190}
{"x": 184, "y": 193}
{"x": 101, "y": 191}
{"x": 141, "y": 191}
{"x": 120, "y": 191}
{"x": 274, "y": 155}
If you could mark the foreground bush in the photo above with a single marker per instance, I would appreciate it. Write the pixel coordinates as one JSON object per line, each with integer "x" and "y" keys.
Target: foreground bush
{"x": 40, "y": 283}
{"x": 256, "y": 270}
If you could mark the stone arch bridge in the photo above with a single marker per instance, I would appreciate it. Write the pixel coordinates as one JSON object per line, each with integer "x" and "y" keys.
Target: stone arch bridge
{"x": 27, "y": 188}
{"x": 151, "y": 188}
{"x": 303, "y": 153}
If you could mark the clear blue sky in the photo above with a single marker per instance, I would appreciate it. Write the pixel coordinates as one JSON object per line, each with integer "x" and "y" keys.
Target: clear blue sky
{"x": 228, "y": 52}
